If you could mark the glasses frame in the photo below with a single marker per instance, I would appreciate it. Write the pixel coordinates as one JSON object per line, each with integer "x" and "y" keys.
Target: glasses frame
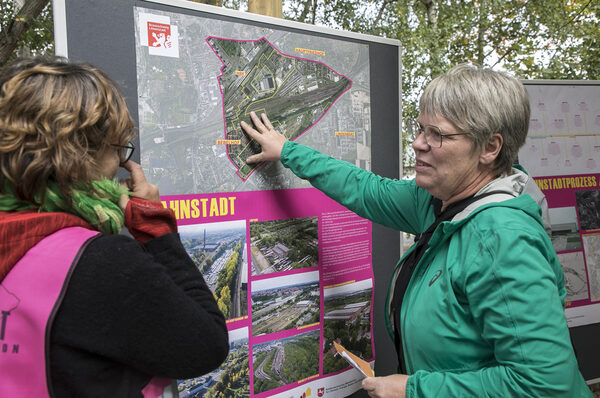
{"x": 129, "y": 146}
{"x": 418, "y": 128}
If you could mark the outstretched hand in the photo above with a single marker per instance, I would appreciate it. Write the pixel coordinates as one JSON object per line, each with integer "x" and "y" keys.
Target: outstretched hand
{"x": 269, "y": 139}
{"x": 137, "y": 184}
{"x": 393, "y": 386}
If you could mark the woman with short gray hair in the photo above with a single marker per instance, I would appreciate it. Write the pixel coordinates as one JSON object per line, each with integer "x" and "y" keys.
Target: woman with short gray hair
{"x": 481, "y": 102}
{"x": 476, "y": 306}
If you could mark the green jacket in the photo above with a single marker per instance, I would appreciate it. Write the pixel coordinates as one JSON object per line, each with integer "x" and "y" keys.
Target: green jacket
{"x": 483, "y": 314}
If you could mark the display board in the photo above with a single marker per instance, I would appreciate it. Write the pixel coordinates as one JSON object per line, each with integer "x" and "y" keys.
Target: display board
{"x": 292, "y": 270}
{"x": 562, "y": 153}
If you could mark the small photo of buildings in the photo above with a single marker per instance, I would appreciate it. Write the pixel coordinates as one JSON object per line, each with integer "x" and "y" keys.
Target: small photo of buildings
{"x": 565, "y": 232}
{"x": 283, "y": 245}
{"x": 230, "y": 380}
{"x": 347, "y": 321}
{"x": 285, "y": 302}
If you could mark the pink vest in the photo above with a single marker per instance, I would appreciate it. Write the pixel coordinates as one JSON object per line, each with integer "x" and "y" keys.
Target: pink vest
{"x": 30, "y": 296}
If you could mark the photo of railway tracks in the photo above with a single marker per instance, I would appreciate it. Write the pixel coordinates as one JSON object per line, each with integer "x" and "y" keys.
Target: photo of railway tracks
{"x": 230, "y": 380}
{"x": 347, "y": 320}
{"x": 255, "y": 76}
{"x": 285, "y": 302}
{"x": 190, "y": 107}
{"x": 219, "y": 252}
{"x": 285, "y": 361}
{"x": 283, "y": 245}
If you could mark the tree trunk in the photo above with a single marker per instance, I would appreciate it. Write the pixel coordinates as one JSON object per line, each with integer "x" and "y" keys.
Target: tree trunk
{"x": 271, "y": 8}
{"x": 430, "y": 11}
{"x": 381, "y": 10}
{"x": 431, "y": 15}
{"x": 305, "y": 10}
{"x": 12, "y": 33}
{"x": 218, "y": 3}
{"x": 482, "y": 28}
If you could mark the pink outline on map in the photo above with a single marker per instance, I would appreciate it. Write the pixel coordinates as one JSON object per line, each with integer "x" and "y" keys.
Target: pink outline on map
{"x": 282, "y": 54}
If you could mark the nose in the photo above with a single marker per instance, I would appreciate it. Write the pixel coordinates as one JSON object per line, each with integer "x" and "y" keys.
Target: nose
{"x": 420, "y": 143}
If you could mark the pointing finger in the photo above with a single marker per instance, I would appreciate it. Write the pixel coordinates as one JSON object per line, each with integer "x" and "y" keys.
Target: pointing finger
{"x": 255, "y": 135}
{"x": 254, "y": 158}
{"x": 266, "y": 121}
{"x": 248, "y": 129}
{"x": 257, "y": 122}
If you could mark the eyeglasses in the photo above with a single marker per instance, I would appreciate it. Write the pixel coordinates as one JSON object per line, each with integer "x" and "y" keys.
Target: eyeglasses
{"x": 433, "y": 134}
{"x": 125, "y": 151}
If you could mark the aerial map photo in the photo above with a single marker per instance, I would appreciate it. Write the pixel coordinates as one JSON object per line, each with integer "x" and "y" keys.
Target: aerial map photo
{"x": 315, "y": 90}
{"x": 231, "y": 379}
{"x": 575, "y": 278}
{"x": 347, "y": 320}
{"x": 256, "y": 77}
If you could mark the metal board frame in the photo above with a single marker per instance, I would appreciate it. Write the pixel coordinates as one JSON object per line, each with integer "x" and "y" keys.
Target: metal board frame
{"x": 102, "y": 33}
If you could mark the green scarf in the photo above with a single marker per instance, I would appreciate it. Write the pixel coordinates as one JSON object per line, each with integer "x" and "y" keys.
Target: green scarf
{"x": 100, "y": 208}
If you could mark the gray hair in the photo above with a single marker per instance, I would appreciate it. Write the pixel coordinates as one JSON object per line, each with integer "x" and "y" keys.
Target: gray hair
{"x": 482, "y": 102}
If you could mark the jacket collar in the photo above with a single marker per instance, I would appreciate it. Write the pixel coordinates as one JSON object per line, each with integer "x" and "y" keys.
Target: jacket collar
{"x": 516, "y": 184}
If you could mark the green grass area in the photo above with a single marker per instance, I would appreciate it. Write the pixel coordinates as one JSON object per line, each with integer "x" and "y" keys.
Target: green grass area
{"x": 301, "y": 359}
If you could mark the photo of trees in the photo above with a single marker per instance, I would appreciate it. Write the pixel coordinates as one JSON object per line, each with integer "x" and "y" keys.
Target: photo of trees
{"x": 219, "y": 252}
{"x": 230, "y": 380}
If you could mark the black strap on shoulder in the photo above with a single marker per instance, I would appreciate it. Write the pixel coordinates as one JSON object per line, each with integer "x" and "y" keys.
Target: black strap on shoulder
{"x": 410, "y": 262}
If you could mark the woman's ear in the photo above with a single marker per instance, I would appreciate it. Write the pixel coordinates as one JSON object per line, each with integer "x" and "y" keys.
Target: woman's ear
{"x": 491, "y": 149}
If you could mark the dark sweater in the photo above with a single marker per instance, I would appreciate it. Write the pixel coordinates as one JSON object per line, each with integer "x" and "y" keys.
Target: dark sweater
{"x": 133, "y": 311}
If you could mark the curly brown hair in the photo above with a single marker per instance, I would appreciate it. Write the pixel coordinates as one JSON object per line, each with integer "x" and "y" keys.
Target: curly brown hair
{"x": 56, "y": 117}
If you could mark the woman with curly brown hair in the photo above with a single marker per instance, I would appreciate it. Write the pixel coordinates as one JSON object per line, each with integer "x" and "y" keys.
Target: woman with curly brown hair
{"x": 86, "y": 311}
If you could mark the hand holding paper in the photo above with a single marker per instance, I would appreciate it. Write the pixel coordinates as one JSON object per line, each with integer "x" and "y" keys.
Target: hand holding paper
{"x": 393, "y": 386}
{"x": 360, "y": 364}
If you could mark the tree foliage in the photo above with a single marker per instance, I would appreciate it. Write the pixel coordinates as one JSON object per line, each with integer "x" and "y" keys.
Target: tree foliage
{"x": 25, "y": 30}
{"x": 550, "y": 39}
{"x": 227, "y": 279}
{"x": 553, "y": 39}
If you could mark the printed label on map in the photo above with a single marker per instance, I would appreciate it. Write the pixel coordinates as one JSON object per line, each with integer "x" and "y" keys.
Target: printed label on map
{"x": 157, "y": 33}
